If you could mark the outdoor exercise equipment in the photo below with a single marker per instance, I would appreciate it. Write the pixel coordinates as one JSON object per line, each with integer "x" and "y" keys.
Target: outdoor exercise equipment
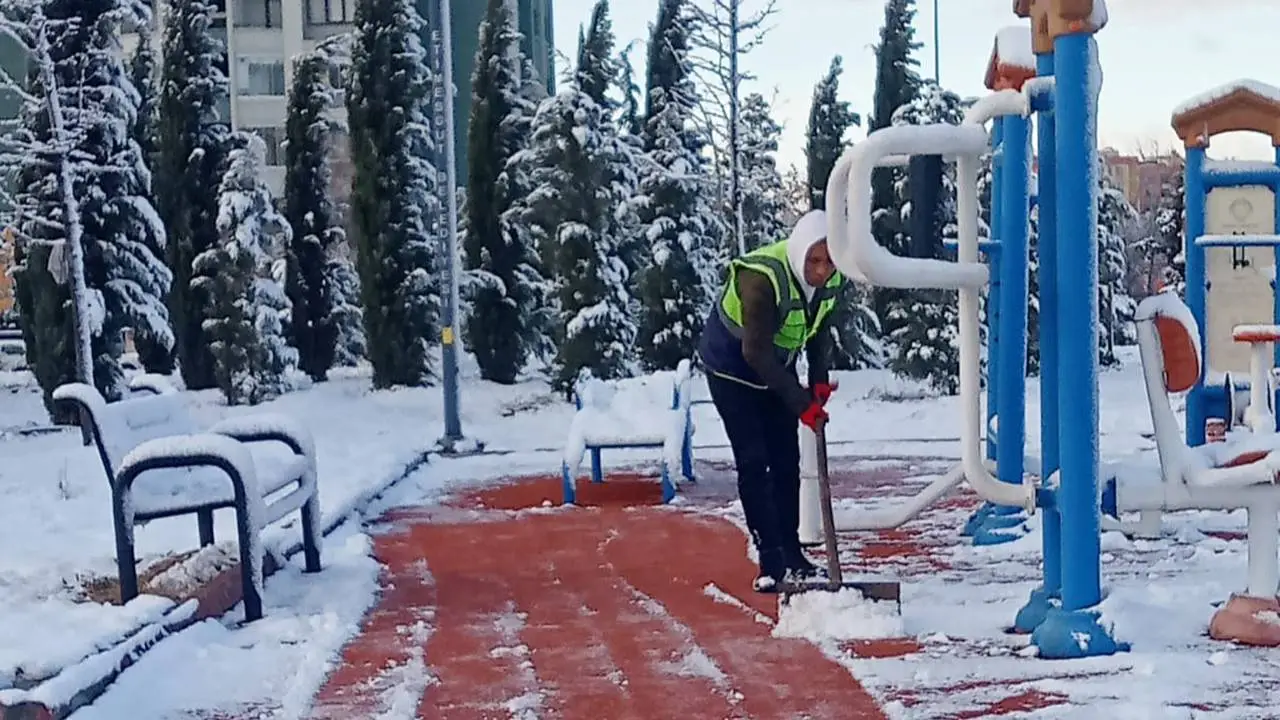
{"x": 1011, "y": 66}
{"x": 1062, "y": 613}
{"x": 1239, "y": 471}
{"x": 1232, "y": 240}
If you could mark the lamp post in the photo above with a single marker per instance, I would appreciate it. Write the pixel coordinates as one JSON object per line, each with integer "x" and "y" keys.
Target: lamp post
{"x": 449, "y": 444}
{"x": 937, "y": 45}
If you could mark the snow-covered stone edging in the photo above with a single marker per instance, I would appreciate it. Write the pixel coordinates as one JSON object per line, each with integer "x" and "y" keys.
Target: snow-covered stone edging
{"x": 79, "y": 684}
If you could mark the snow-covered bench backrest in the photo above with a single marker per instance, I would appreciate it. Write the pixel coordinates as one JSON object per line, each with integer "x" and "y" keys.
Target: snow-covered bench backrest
{"x": 598, "y": 394}
{"x": 1169, "y": 342}
{"x": 121, "y": 426}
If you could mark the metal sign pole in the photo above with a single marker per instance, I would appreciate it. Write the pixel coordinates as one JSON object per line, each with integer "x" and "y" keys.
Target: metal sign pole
{"x": 449, "y": 321}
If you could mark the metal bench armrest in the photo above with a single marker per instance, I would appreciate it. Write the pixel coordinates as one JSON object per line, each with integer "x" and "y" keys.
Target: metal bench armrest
{"x": 268, "y": 427}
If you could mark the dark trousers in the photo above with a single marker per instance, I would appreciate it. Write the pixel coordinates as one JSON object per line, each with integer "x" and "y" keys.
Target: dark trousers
{"x": 764, "y": 435}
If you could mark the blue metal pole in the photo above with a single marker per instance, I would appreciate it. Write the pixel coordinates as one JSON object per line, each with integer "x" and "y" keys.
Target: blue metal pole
{"x": 1194, "y": 257}
{"x": 993, "y": 291}
{"x": 1047, "y": 245}
{"x": 1014, "y": 258}
{"x": 1074, "y": 629}
{"x": 1074, "y": 57}
{"x": 1033, "y": 613}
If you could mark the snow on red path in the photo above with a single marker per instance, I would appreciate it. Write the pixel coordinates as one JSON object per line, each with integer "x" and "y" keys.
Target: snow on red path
{"x": 578, "y": 613}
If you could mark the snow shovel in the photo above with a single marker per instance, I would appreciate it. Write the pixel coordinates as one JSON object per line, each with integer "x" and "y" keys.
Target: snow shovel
{"x": 872, "y": 589}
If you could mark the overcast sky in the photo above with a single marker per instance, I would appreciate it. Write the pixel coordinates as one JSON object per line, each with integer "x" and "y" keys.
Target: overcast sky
{"x": 1155, "y": 55}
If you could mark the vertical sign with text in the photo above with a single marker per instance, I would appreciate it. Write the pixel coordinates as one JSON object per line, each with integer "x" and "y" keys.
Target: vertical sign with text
{"x": 441, "y": 83}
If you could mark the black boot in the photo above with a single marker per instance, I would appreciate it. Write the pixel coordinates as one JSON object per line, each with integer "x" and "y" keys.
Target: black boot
{"x": 773, "y": 567}
{"x": 799, "y": 565}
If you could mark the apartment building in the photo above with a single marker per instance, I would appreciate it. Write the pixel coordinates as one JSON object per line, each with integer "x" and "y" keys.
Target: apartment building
{"x": 1141, "y": 179}
{"x": 262, "y": 36}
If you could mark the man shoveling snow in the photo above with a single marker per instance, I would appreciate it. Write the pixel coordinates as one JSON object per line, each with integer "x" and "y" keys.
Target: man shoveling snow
{"x": 774, "y": 304}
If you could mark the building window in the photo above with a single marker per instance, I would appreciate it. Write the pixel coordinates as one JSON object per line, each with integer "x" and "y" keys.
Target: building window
{"x": 331, "y": 12}
{"x": 219, "y": 36}
{"x": 273, "y": 137}
{"x": 260, "y": 77}
{"x": 258, "y": 13}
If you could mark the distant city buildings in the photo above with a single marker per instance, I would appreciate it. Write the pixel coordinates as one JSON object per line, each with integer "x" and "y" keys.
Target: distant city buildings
{"x": 1141, "y": 178}
{"x": 262, "y": 37}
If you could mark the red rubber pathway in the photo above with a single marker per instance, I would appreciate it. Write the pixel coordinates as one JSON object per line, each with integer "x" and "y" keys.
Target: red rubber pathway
{"x": 494, "y": 607}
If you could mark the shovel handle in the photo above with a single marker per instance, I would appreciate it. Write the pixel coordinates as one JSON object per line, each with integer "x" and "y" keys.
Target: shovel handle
{"x": 834, "y": 575}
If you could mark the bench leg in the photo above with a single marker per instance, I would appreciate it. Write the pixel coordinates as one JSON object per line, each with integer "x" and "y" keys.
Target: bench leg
{"x": 204, "y": 520}
{"x": 568, "y": 489}
{"x": 126, "y": 562}
{"x": 668, "y": 487}
{"x": 597, "y": 468}
{"x": 250, "y": 566}
{"x": 310, "y": 534}
{"x": 686, "y": 459}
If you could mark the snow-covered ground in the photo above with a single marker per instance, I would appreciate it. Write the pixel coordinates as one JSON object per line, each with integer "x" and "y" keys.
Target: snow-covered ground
{"x": 55, "y": 532}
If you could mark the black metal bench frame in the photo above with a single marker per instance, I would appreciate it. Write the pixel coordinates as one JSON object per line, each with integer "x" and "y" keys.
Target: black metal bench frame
{"x": 236, "y": 439}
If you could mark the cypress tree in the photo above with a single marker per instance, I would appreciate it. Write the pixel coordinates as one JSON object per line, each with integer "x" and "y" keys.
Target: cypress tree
{"x": 317, "y": 237}
{"x": 192, "y": 144}
{"x": 674, "y": 213}
{"x": 897, "y": 83}
{"x": 395, "y": 203}
{"x": 501, "y": 331}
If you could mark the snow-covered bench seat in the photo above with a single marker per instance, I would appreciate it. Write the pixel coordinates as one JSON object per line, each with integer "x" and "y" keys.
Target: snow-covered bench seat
{"x": 159, "y": 465}
{"x": 599, "y": 424}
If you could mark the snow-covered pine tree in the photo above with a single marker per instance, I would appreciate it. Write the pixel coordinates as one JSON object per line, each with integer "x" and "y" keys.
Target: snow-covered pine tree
{"x": 570, "y": 162}
{"x": 924, "y": 323}
{"x": 855, "y": 329}
{"x": 630, "y": 111}
{"x": 825, "y": 138}
{"x": 521, "y": 224}
{"x": 763, "y": 197}
{"x": 1033, "y": 294}
{"x": 247, "y": 306}
{"x": 155, "y": 353}
{"x": 114, "y": 218}
{"x": 506, "y": 286}
{"x": 897, "y": 83}
{"x": 1170, "y": 215}
{"x": 675, "y": 217}
{"x": 345, "y": 314}
{"x": 144, "y": 71}
{"x": 1116, "y": 308}
{"x": 45, "y": 305}
{"x": 597, "y": 72}
{"x": 394, "y": 200}
{"x": 317, "y": 243}
{"x": 192, "y": 142}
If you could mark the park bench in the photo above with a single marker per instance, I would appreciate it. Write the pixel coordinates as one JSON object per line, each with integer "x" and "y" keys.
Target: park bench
{"x": 599, "y": 425}
{"x": 160, "y": 464}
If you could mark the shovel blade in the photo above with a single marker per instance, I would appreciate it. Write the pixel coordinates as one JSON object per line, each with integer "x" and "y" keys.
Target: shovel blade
{"x": 878, "y": 589}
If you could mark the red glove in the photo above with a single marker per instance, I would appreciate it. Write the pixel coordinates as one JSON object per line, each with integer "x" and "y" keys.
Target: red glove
{"x": 822, "y": 392}
{"x": 814, "y": 416}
